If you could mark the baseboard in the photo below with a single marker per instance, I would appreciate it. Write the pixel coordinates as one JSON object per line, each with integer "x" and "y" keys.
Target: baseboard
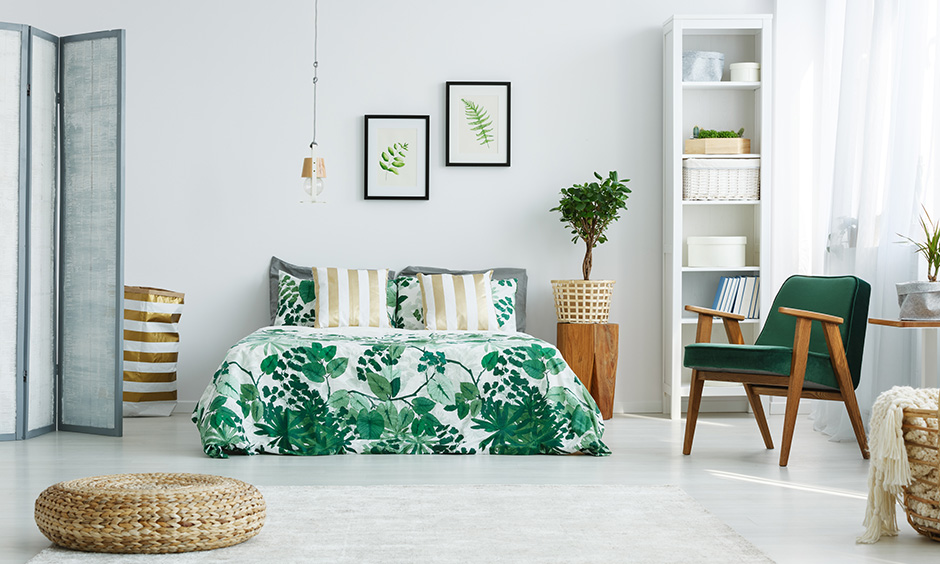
{"x": 184, "y": 407}
{"x": 778, "y": 406}
{"x": 638, "y": 407}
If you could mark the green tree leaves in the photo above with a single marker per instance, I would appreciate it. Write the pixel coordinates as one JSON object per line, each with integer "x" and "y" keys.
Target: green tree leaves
{"x": 589, "y": 208}
{"x": 479, "y": 121}
{"x": 393, "y": 158}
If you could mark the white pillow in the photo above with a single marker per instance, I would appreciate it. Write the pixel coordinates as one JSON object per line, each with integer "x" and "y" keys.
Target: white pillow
{"x": 458, "y": 302}
{"x": 296, "y": 301}
{"x": 504, "y": 301}
{"x": 351, "y": 298}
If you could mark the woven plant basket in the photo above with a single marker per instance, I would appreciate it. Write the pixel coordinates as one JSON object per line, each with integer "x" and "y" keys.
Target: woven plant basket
{"x": 921, "y": 499}
{"x": 582, "y": 301}
{"x": 150, "y": 513}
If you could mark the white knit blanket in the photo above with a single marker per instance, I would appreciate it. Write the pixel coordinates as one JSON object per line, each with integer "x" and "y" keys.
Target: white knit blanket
{"x": 890, "y": 471}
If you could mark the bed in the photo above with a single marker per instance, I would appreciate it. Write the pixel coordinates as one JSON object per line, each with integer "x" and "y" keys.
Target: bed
{"x": 294, "y": 389}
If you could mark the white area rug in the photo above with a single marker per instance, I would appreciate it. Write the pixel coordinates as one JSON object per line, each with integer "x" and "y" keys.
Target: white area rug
{"x": 485, "y": 523}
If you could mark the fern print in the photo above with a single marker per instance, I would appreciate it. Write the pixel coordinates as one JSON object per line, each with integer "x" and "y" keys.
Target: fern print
{"x": 479, "y": 122}
{"x": 393, "y": 158}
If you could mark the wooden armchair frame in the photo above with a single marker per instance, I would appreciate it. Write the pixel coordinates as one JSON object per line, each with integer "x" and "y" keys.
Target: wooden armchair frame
{"x": 789, "y": 386}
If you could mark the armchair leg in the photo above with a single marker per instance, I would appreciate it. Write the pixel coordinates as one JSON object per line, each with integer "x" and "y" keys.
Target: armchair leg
{"x": 695, "y": 401}
{"x": 795, "y": 385}
{"x": 754, "y": 399}
{"x": 841, "y": 368}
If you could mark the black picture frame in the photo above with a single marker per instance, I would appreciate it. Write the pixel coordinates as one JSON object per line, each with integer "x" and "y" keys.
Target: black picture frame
{"x": 396, "y": 157}
{"x": 478, "y": 124}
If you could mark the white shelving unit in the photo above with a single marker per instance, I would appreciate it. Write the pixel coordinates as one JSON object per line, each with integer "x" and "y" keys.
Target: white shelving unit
{"x": 711, "y": 105}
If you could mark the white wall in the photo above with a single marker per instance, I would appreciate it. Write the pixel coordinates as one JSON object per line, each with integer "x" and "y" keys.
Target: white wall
{"x": 219, "y": 117}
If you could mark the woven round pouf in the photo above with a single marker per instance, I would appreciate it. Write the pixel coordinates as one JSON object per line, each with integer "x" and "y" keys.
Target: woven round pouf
{"x": 150, "y": 513}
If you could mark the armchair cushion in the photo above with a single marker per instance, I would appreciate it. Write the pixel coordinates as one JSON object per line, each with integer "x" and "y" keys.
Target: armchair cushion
{"x": 759, "y": 359}
{"x": 843, "y": 296}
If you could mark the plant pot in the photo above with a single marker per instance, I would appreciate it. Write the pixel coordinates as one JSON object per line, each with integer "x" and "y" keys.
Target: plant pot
{"x": 582, "y": 301}
{"x": 919, "y": 300}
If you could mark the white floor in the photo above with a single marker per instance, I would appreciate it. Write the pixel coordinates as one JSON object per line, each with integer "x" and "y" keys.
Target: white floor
{"x": 809, "y": 512}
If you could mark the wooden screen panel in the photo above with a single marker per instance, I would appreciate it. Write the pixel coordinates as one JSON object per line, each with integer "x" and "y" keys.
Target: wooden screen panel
{"x": 91, "y": 242}
{"x": 13, "y": 60}
{"x": 41, "y": 244}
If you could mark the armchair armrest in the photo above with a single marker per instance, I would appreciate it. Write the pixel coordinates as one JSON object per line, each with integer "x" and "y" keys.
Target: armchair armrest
{"x": 703, "y": 332}
{"x": 714, "y": 313}
{"x": 811, "y": 315}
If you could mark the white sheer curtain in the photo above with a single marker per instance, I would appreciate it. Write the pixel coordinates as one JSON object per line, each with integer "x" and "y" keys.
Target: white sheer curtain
{"x": 876, "y": 165}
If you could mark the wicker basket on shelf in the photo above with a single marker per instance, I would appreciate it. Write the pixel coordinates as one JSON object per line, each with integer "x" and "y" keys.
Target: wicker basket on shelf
{"x": 921, "y": 499}
{"x": 582, "y": 301}
{"x": 721, "y": 179}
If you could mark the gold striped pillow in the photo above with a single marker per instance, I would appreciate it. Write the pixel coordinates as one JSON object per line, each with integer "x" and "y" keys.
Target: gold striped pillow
{"x": 458, "y": 302}
{"x": 351, "y": 298}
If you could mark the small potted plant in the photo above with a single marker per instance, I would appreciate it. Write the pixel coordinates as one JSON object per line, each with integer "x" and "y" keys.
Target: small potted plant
{"x": 713, "y": 142}
{"x": 921, "y": 300}
{"x": 588, "y": 210}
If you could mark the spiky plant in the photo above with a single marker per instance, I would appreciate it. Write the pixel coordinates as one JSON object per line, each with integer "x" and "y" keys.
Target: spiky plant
{"x": 589, "y": 209}
{"x": 930, "y": 246}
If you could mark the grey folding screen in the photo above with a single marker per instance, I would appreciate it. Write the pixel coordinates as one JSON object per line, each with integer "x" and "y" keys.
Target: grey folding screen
{"x": 61, "y": 231}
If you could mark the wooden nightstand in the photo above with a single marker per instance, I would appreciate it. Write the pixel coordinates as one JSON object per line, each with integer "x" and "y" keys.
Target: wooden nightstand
{"x": 590, "y": 349}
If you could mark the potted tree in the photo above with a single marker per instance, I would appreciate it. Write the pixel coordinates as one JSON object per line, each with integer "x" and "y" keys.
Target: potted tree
{"x": 921, "y": 300}
{"x": 588, "y": 209}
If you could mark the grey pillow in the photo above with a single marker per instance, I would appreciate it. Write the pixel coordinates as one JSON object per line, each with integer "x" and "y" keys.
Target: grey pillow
{"x": 498, "y": 274}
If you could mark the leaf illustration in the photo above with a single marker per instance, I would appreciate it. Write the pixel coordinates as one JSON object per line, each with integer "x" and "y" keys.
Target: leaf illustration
{"x": 393, "y": 158}
{"x": 479, "y": 121}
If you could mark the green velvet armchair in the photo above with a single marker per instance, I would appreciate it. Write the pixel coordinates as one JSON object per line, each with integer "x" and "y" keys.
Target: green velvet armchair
{"x": 810, "y": 347}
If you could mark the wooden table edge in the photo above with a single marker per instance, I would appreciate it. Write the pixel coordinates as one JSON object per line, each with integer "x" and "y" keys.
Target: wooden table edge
{"x": 903, "y": 323}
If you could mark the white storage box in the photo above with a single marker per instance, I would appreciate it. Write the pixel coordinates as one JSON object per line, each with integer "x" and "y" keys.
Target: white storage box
{"x": 717, "y": 252}
{"x": 702, "y": 66}
{"x": 721, "y": 179}
{"x": 745, "y": 72}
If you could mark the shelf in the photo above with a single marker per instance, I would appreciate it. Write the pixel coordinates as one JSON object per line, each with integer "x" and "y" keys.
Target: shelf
{"x": 721, "y": 85}
{"x": 729, "y": 156}
{"x": 720, "y": 202}
{"x": 721, "y": 269}
{"x": 694, "y": 320}
{"x": 721, "y": 104}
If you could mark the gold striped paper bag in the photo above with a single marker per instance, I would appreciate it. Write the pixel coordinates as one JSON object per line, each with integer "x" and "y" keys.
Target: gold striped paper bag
{"x": 151, "y": 349}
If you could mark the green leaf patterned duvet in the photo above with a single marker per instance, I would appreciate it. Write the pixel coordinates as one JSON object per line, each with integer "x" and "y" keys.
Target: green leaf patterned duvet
{"x": 297, "y": 390}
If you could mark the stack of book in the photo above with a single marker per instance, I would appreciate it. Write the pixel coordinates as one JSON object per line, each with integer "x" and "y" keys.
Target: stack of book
{"x": 738, "y": 294}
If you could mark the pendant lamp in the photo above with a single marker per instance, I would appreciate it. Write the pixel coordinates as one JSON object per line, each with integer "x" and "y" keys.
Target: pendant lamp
{"x": 314, "y": 169}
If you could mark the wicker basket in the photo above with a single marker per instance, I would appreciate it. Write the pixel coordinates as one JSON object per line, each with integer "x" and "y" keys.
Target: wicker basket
{"x": 582, "y": 301}
{"x": 150, "y": 513}
{"x": 921, "y": 499}
{"x": 721, "y": 179}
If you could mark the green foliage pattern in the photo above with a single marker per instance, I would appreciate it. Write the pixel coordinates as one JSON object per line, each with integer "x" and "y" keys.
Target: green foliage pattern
{"x": 287, "y": 390}
{"x": 295, "y": 301}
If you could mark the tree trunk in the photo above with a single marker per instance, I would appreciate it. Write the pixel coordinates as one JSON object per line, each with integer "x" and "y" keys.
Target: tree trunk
{"x": 586, "y": 265}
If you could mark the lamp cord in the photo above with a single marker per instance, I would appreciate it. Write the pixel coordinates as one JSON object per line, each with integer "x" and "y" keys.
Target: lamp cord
{"x": 316, "y": 64}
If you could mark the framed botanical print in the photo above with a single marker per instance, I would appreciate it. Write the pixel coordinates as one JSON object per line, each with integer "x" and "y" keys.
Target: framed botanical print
{"x": 396, "y": 157}
{"x": 478, "y": 124}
